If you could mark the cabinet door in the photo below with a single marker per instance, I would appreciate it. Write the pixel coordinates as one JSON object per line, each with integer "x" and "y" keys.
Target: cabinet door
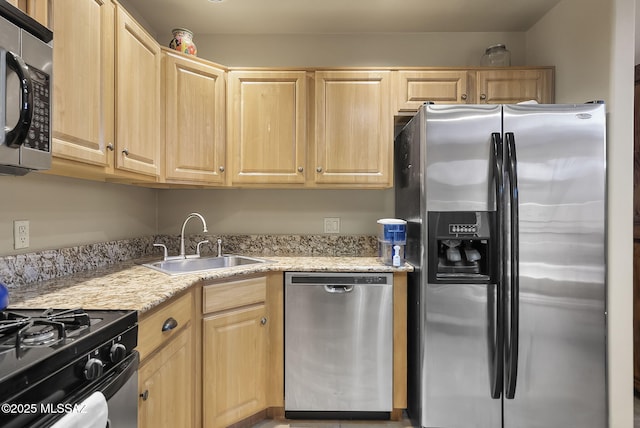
{"x": 194, "y": 120}
{"x": 514, "y": 86}
{"x": 37, "y": 9}
{"x": 234, "y": 366}
{"x": 415, "y": 87}
{"x": 353, "y": 135}
{"x": 267, "y": 131}
{"x": 83, "y": 81}
{"x": 137, "y": 98}
{"x": 165, "y": 384}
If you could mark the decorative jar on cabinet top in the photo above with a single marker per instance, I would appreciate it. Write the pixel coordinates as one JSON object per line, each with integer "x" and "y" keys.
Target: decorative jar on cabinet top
{"x": 183, "y": 41}
{"x": 496, "y": 55}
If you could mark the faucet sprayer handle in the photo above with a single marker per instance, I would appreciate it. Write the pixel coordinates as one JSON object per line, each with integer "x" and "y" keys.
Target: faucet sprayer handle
{"x": 206, "y": 241}
{"x": 166, "y": 253}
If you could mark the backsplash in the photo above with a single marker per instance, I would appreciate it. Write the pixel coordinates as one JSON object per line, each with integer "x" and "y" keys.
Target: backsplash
{"x": 282, "y": 245}
{"x": 21, "y": 269}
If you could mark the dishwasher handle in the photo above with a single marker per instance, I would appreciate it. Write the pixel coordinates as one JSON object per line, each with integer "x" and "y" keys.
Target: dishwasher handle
{"x": 338, "y": 288}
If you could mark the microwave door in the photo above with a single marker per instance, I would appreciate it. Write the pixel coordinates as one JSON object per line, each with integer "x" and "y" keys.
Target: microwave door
{"x": 8, "y": 111}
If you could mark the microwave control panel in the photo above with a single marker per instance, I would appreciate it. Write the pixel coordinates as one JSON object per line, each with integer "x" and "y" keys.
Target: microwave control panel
{"x": 39, "y": 136}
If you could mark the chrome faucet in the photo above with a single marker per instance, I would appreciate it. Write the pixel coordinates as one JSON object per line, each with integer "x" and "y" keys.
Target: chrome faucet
{"x": 189, "y": 217}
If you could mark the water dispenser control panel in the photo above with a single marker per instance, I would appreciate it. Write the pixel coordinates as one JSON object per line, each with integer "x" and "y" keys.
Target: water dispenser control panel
{"x": 463, "y": 229}
{"x": 461, "y": 246}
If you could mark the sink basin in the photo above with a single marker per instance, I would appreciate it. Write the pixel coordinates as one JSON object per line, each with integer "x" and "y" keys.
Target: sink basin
{"x": 176, "y": 267}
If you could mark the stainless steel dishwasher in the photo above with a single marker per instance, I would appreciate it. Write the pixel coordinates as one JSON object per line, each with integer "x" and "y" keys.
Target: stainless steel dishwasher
{"x": 338, "y": 345}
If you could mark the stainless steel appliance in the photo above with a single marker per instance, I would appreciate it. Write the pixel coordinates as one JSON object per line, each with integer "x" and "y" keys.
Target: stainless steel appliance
{"x": 52, "y": 363}
{"x": 26, "y": 57}
{"x": 505, "y": 207}
{"x": 338, "y": 345}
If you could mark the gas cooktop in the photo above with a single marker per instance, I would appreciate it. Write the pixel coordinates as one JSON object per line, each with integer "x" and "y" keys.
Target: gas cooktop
{"x": 35, "y": 343}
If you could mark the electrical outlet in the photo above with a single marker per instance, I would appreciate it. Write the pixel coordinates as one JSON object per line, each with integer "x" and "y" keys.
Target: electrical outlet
{"x": 20, "y": 234}
{"x": 332, "y": 225}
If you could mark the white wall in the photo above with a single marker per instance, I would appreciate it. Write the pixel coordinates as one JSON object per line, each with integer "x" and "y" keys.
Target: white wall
{"x": 371, "y": 50}
{"x": 267, "y": 211}
{"x": 637, "y": 60}
{"x": 65, "y": 212}
{"x": 620, "y": 205}
{"x": 591, "y": 42}
{"x": 576, "y": 38}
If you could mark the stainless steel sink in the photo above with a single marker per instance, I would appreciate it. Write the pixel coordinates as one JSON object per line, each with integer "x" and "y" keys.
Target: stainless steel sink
{"x": 181, "y": 266}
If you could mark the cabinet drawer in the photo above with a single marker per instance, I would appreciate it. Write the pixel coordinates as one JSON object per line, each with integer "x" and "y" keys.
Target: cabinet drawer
{"x": 150, "y": 329}
{"x": 227, "y": 295}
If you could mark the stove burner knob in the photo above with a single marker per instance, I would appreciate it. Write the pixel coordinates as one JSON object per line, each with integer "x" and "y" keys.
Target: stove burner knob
{"x": 117, "y": 352}
{"x": 93, "y": 369}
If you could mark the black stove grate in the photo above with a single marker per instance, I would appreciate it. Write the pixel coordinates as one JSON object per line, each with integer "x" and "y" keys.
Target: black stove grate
{"x": 24, "y": 329}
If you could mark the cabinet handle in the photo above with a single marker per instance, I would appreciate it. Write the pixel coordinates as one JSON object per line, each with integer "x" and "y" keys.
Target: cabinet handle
{"x": 125, "y": 152}
{"x": 483, "y": 97}
{"x": 263, "y": 321}
{"x": 145, "y": 395}
{"x": 169, "y": 324}
{"x": 110, "y": 147}
{"x": 319, "y": 169}
{"x": 221, "y": 168}
{"x": 300, "y": 169}
{"x": 463, "y": 96}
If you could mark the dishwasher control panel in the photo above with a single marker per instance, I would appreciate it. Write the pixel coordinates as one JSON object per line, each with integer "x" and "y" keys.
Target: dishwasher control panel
{"x": 338, "y": 278}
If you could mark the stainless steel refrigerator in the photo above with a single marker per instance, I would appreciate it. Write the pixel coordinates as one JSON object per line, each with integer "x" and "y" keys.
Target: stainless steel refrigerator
{"x": 505, "y": 208}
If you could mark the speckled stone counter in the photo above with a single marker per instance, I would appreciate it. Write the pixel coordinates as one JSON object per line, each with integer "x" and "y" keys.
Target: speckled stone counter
{"x": 19, "y": 270}
{"x": 132, "y": 286}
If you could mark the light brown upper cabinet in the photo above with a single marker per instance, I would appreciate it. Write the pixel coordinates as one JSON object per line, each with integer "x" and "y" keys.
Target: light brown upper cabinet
{"x": 138, "y": 144}
{"x": 267, "y": 127}
{"x": 510, "y": 86}
{"x": 107, "y": 78}
{"x": 415, "y": 87}
{"x": 37, "y": 9}
{"x": 83, "y": 82}
{"x": 194, "y": 100}
{"x": 353, "y": 129}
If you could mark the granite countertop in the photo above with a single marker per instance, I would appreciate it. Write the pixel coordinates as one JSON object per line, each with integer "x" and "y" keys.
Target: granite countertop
{"x": 131, "y": 286}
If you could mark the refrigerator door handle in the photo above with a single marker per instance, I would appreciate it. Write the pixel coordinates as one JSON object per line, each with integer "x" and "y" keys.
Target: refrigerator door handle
{"x": 511, "y": 349}
{"x": 495, "y": 329}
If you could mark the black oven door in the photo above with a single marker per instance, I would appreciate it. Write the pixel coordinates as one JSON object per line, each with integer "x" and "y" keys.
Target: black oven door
{"x": 120, "y": 389}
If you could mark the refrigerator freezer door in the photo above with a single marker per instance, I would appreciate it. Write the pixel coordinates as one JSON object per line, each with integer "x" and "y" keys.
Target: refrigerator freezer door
{"x": 456, "y": 326}
{"x": 561, "y": 185}
{"x": 458, "y": 167}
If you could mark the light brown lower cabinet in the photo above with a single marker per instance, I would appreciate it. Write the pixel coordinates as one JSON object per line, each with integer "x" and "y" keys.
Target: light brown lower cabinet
{"x": 166, "y": 383}
{"x": 235, "y": 373}
{"x": 235, "y": 340}
{"x": 167, "y": 375}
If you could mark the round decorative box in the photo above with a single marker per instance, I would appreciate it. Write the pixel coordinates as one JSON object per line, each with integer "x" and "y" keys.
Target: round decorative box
{"x": 183, "y": 41}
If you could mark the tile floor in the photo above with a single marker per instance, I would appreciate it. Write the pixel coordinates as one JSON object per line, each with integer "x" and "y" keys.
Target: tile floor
{"x": 332, "y": 424}
{"x": 380, "y": 424}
